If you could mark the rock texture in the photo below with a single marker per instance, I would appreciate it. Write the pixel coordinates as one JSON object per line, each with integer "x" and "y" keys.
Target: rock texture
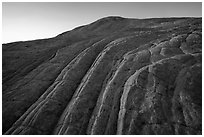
{"x": 113, "y": 76}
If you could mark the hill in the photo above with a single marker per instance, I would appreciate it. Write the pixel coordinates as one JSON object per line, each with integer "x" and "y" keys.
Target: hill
{"x": 113, "y": 76}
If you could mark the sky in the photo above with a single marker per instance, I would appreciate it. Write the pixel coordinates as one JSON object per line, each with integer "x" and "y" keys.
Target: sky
{"x": 31, "y": 20}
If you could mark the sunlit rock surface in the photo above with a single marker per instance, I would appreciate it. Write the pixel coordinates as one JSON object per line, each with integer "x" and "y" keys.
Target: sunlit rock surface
{"x": 113, "y": 76}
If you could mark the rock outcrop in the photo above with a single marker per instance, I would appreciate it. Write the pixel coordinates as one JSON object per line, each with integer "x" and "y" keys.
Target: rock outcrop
{"x": 113, "y": 76}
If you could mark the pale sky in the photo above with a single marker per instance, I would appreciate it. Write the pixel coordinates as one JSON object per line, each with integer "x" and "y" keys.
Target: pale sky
{"x": 30, "y": 20}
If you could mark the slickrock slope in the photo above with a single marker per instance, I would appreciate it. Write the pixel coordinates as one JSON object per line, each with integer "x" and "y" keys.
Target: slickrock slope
{"x": 113, "y": 76}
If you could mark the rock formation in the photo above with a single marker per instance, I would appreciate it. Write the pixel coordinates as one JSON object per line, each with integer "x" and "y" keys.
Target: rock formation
{"x": 113, "y": 76}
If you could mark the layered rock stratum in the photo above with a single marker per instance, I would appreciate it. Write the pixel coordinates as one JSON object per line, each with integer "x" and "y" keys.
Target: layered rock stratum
{"x": 113, "y": 76}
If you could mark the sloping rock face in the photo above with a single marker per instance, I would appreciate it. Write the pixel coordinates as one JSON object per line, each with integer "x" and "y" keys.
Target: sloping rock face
{"x": 113, "y": 76}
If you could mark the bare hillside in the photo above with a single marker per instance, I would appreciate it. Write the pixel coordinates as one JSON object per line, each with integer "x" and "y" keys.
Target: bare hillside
{"x": 113, "y": 76}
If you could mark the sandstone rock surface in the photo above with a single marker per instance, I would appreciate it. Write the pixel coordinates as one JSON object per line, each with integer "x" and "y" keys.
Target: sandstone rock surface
{"x": 113, "y": 76}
